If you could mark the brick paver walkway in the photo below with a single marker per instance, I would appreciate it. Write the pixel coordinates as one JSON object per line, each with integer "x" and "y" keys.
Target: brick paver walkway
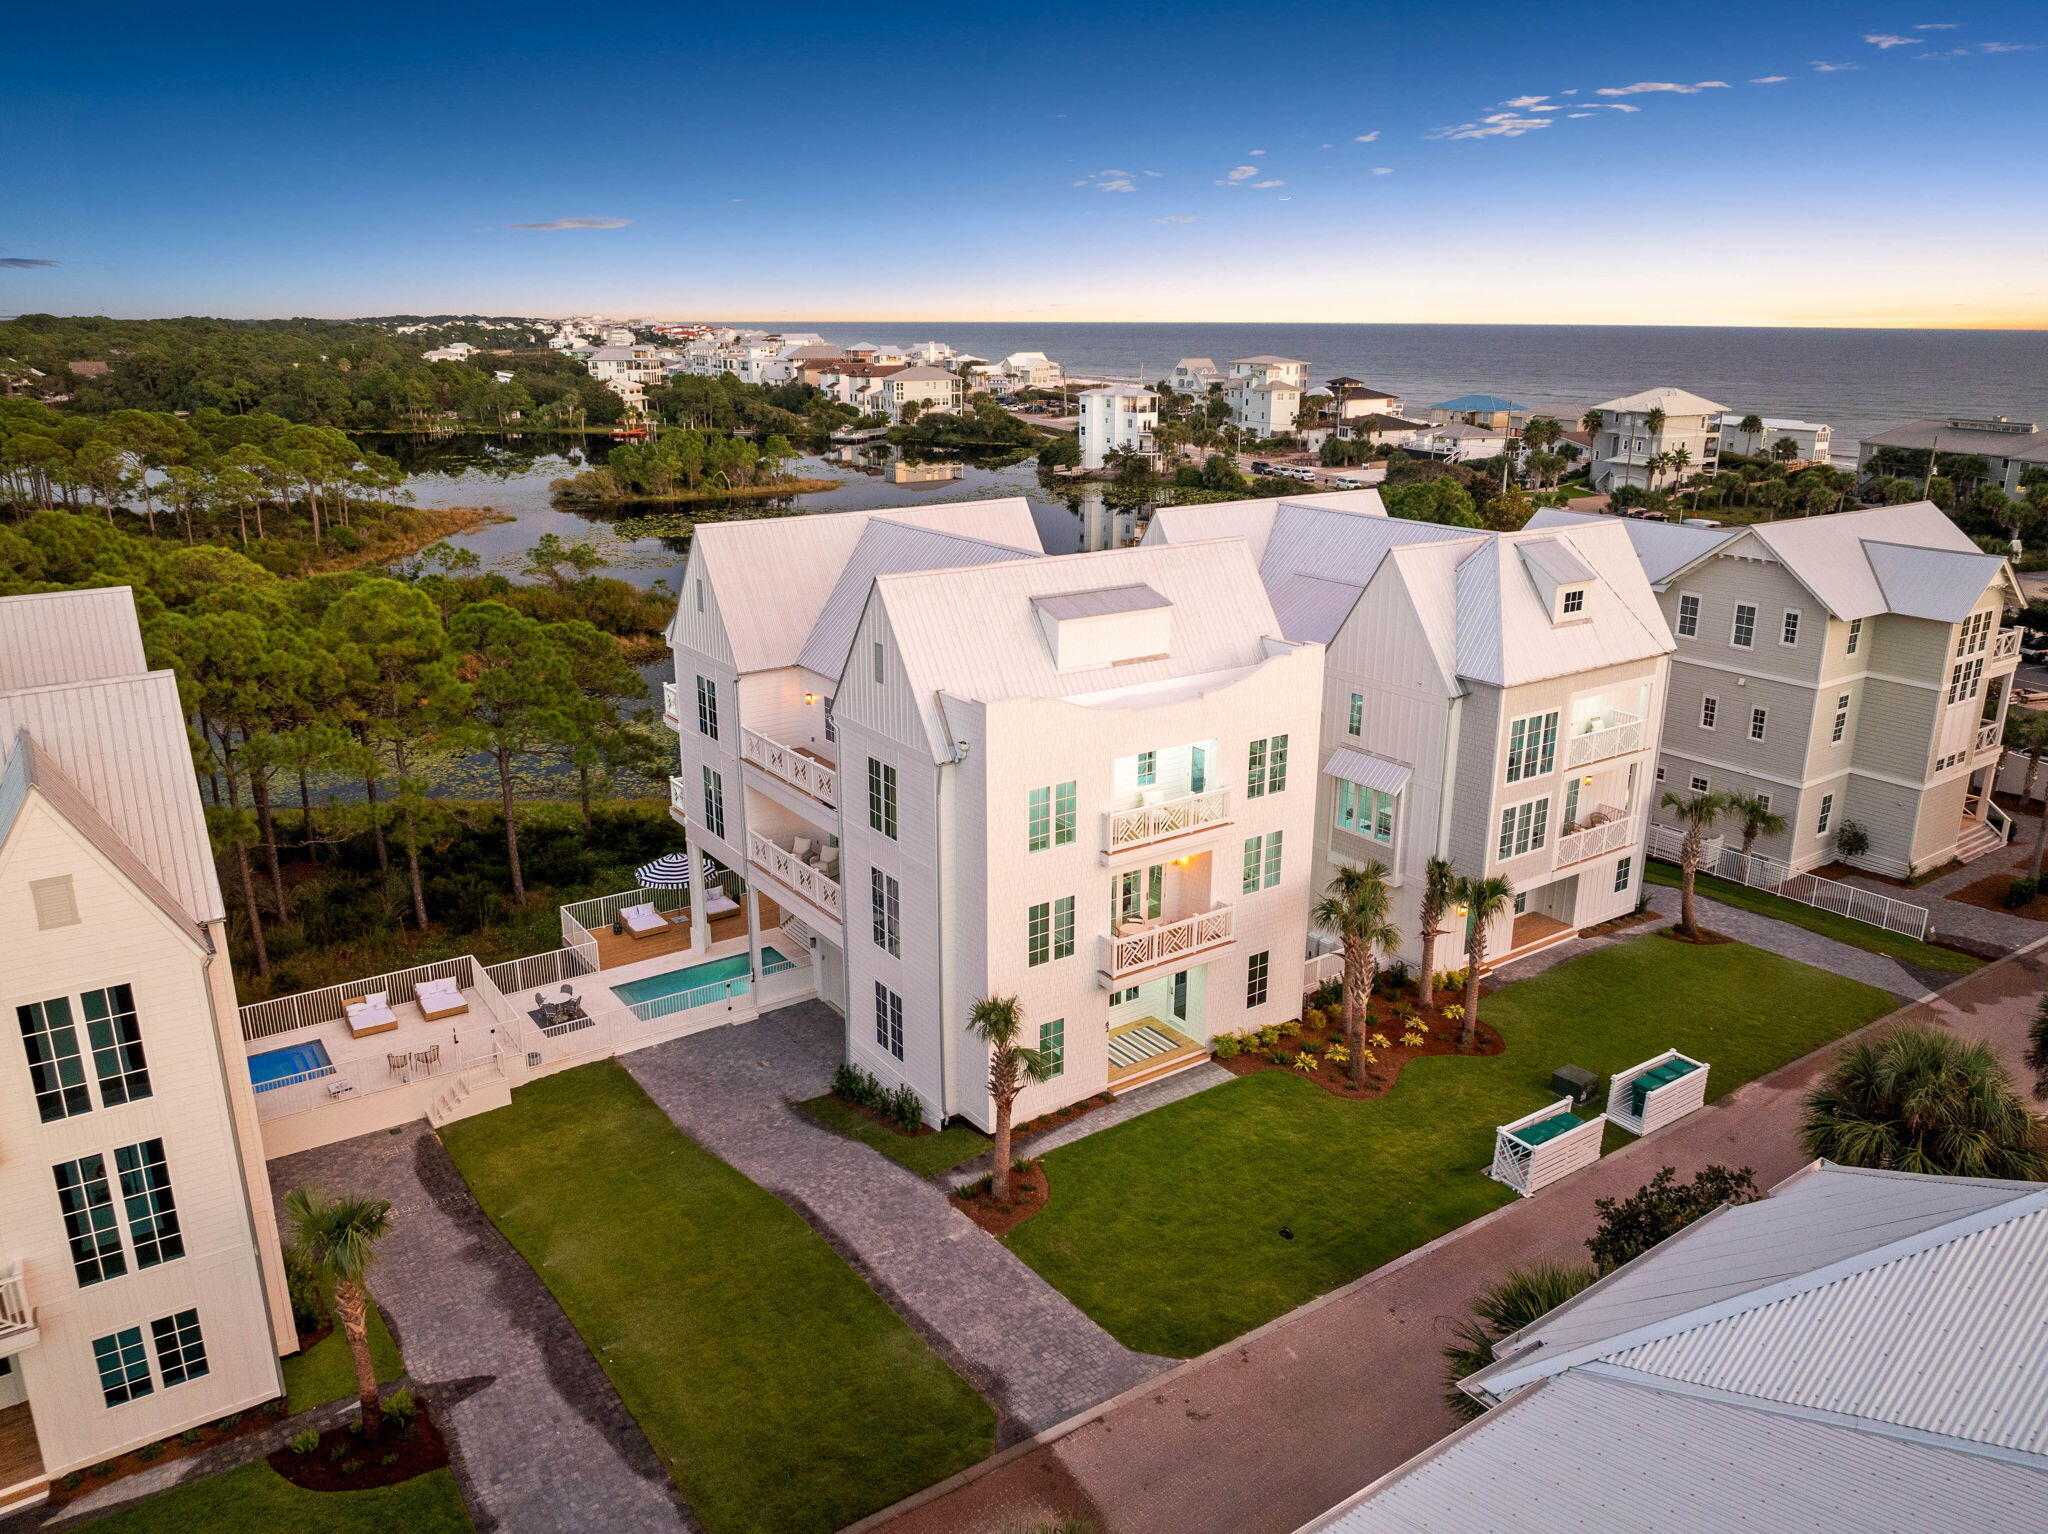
{"x": 1264, "y": 1433}
{"x": 1018, "y": 1340}
{"x": 541, "y": 1442}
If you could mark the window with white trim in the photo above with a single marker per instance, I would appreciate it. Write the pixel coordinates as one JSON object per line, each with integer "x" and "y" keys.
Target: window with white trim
{"x": 1855, "y": 634}
{"x": 1052, "y": 1046}
{"x": 888, "y": 1020}
{"x": 1055, "y": 816}
{"x": 1688, "y": 615}
{"x": 1710, "y": 708}
{"x": 1266, "y": 768}
{"x": 1261, "y": 862}
{"x": 1975, "y": 632}
{"x": 1365, "y": 811}
{"x": 1524, "y": 827}
{"x": 116, "y": 1039}
{"x": 714, "y": 802}
{"x": 1049, "y": 931}
{"x": 1967, "y": 680}
{"x": 1148, "y": 768}
{"x": 1357, "y": 725}
{"x": 1699, "y": 784}
{"x": 1532, "y": 746}
{"x": 1573, "y": 601}
{"x": 180, "y": 1350}
{"x": 1841, "y": 719}
{"x": 886, "y": 896}
{"x": 56, "y": 1068}
{"x": 1624, "y": 872}
{"x": 1257, "y": 969}
{"x": 1757, "y": 718}
{"x": 86, "y": 1200}
{"x": 1788, "y": 632}
{"x": 146, "y": 1197}
{"x": 707, "y": 707}
{"x": 1742, "y": 630}
{"x": 1827, "y": 813}
{"x": 882, "y": 798}
{"x": 123, "y": 1366}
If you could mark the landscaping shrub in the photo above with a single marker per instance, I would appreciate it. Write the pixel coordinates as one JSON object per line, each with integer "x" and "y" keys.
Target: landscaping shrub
{"x": 1522, "y": 1297}
{"x": 1226, "y": 1046}
{"x": 906, "y": 1108}
{"x": 2020, "y": 892}
{"x": 400, "y": 1412}
{"x": 1452, "y": 980}
{"x": 1393, "y": 978}
{"x": 1327, "y": 995}
{"x": 2037, "y": 1048}
{"x": 1631, "y": 1226}
{"x": 306, "y": 1442}
{"x": 1852, "y": 840}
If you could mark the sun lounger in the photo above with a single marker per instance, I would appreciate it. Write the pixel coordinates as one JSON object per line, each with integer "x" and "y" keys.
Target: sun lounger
{"x": 369, "y": 1014}
{"x": 643, "y": 920}
{"x": 439, "y": 998}
{"x": 718, "y": 903}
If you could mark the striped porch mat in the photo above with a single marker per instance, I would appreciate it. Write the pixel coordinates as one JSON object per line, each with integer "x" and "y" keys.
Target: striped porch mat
{"x": 1140, "y": 1045}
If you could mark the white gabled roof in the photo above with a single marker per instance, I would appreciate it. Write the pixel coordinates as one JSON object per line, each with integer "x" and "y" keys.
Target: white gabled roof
{"x": 1665, "y": 398}
{"x": 1661, "y": 547}
{"x": 52, "y": 637}
{"x": 1310, "y": 607}
{"x": 1505, "y": 633}
{"x": 1250, "y": 520}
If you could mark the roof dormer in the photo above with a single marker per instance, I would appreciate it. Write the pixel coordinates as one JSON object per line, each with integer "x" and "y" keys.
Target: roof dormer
{"x": 1110, "y": 626}
{"x": 1563, "y": 581}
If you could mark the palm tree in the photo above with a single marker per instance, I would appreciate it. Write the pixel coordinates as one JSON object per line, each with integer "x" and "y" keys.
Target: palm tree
{"x": 997, "y": 1021}
{"x": 1439, "y": 891}
{"x": 1699, "y": 812}
{"x": 1757, "y": 817}
{"x": 337, "y": 1239}
{"x": 1752, "y": 427}
{"x": 1484, "y": 900}
{"x": 1919, "y": 1099}
{"x": 1591, "y": 422}
{"x": 1524, "y": 1296}
{"x": 1355, "y": 907}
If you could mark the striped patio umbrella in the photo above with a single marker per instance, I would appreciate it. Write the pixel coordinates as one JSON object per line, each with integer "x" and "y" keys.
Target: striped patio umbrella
{"x": 670, "y": 871}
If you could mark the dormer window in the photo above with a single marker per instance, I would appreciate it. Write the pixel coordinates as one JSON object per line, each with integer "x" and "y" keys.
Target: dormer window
{"x": 1573, "y": 601}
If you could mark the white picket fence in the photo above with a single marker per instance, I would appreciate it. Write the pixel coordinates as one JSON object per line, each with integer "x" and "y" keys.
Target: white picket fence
{"x": 1777, "y": 878}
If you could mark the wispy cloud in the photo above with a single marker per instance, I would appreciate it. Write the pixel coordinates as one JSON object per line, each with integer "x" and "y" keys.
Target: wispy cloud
{"x": 1260, "y": 186}
{"x": 1936, "y": 26}
{"x": 1383, "y": 170}
{"x": 1241, "y": 173}
{"x": 1367, "y": 138}
{"x": 1494, "y": 125}
{"x": 1823, "y": 67}
{"x": 23, "y": 262}
{"x": 1969, "y": 50}
{"x": 1110, "y": 181}
{"x": 576, "y": 223}
{"x": 1770, "y": 79}
{"x": 1889, "y": 40}
{"x": 1675, "y": 87}
{"x": 1519, "y": 102}
{"x": 1617, "y": 106}
{"x": 1176, "y": 218}
{"x": 1251, "y": 152}
{"x": 1582, "y": 114}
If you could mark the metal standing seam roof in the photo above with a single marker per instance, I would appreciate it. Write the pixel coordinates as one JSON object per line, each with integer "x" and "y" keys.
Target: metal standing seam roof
{"x": 1101, "y": 602}
{"x": 1553, "y": 559}
{"x": 1478, "y": 402}
{"x": 1665, "y": 398}
{"x": 1367, "y": 770}
{"x": 1942, "y": 584}
{"x": 1829, "y": 555}
{"x": 1661, "y": 547}
{"x": 53, "y": 637}
{"x": 1310, "y": 607}
{"x": 1251, "y": 520}
{"x": 1505, "y": 633}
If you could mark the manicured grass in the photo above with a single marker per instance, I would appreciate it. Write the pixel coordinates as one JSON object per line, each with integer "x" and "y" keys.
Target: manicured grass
{"x": 325, "y": 1371}
{"x": 1168, "y": 1229}
{"x": 254, "y": 1499}
{"x": 781, "y": 1391}
{"x": 1857, "y": 934}
{"x": 926, "y": 1155}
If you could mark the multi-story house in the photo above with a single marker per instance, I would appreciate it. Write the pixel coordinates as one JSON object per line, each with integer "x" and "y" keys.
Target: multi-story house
{"x": 953, "y": 767}
{"x": 1812, "y": 441}
{"x": 2010, "y": 449}
{"x": 1847, "y": 668}
{"x": 928, "y": 388}
{"x": 1030, "y": 370}
{"x": 1350, "y": 398}
{"x": 1655, "y": 424}
{"x": 1194, "y": 375}
{"x": 141, "y": 1287}
{"x": 1490, "y": 698}
{"x": 1488, "y": 410}
{"x": 1119, "y": 418}
{"x": 1265, "y": 394}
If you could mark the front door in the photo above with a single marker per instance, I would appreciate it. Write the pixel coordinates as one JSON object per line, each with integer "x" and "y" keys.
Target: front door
{"x": 1198, "y": 769}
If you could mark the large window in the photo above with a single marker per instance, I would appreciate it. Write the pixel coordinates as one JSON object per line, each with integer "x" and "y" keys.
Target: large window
{"x": 1524, "y": 827}
{"x": 1757, "y": 721}
{"x": 1138, "y": 891}
{"x": 1357, "y": 725}
{"x": 882, "y": 797}
{"x": 1688, "y": 616}
{"x": 1052, "y": 1046}
{"x": 888, "y": 911}
{"x": 1827, "y": 814}
{"x": 1742, "y": 633}
{"x": 1055, "y": 814}
{"x": 55, "y": 1068}
{"x": 1968, "y": 677}
{"x": 707, "y": 707}
{"x": 1266, "y": 770}
{"x": 714, "y": 802}
{"x": 146, "y": 1196}
{"x": 1365, "y": 812}
{"x": 1261, "y": 862}
{"x": 1532, "y": 746}
{"x": 1789, "y": 633}
{"x": 87, "y": 1202}
{"x": 123, "y": 1366}
{"x": 1974, "y": 633}
{"x": 1710, "y": 710}
{"x": 888, "y": 1020}
{"x": 1255, "y": 980}
{"x": 1841, "y": 719}
{"x": 180, "y": 1350}
{"x": 1049, "y": 931}
{"x": 116, "y": 1040}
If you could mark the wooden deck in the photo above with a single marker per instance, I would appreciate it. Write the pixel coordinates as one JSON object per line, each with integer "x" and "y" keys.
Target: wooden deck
{"x": 21, "y": 1457}
{"x": 1532, "y": 931}
{"x": 614, "y": 949}
{"x": 1147, "y": 1049}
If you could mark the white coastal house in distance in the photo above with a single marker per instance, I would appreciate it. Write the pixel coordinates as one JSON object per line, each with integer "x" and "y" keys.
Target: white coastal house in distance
{"x": 1265, "y": 394}
{"x": 929, "y": 388}
{"x": 143, "y": 1292}
{"x": 1117, "y": 418}
{"x": 455, "y": 351}
{"x": 2011, "y": 449}
{"x": 1812, "y": 441}
{"x": 1626, "y": 440}
{"x": 1859, "y": 1353}
{"x": 1194, "y": 375}
{"x": 1455, "y": 441}
{"x": 1030, "y": 370}
{"x": 1490, "y": 698}
{"x": 956, "y": 767}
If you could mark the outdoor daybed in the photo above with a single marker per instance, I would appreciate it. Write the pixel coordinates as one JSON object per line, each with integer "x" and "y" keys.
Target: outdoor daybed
{"x": 369, "y": 1014}
{"x": 439, "y": 998}
{"x": 643, "y": 920}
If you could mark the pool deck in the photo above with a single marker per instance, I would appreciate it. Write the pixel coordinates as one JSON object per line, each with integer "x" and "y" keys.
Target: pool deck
{"x": 670, "y": 960}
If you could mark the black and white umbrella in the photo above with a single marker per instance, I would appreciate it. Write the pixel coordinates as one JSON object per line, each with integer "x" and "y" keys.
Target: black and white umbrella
{"x": 670, "y": 871}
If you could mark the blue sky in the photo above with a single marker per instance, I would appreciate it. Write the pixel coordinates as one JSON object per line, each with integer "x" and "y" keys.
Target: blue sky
{"x": 1819, "y": 164}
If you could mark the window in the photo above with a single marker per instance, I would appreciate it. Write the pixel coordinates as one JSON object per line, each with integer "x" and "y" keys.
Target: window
{"x": 1118, "y": 998}
{"x": 887, "y": 898}
{"x": 1764, "y": 800}
{"x": 1789, "y": 633}
{"x": 1827, "y": 813}
{"x": 146, "y": 1195}
{"x": 1052, "y": 1045}
{"x": 180, "y": 1351}
{"x": 1624, "y": 871}
{"x": 1532, "y": 746}
{"x": 1255, "y": 979}
{"x": 116, "y": 1041}
{"x": 1357, "y": 724}
{"x": 1742, "y": 634}
{"x": 1148, "y": 768}
{"x": 1688, "y": 616}
{"x": 1855, "y": 634}
{"x": 700, "y": 596}
{"x": 1699, "y": 784}
{"x": 1710, "y": 709}
{"x": 55, "y": 1069}
{"x": 1841, "y": 718}
{"x": 882, "y": 798}
{"x": 714, "y": 802}
{"x": 1524, "y": 827}
{"x": 888, "y": 1020}
{"x": 1968, "y": 677}
{"x": 1757, "y": 717}
{"x": 1049, "y": 931}
{"x": 1574, "y": 601}
{"x": 87, "y": 1201}
{"x": 1267, "y": 771}
{"x": 881, "y": 662}
{"x": 1261, "y": 862}
{"x": 1063, "y": 927}
{"x": 831, "y": 724}
{"x": 707, "y": 707}
{"x": 124, "y": 1367}
{"x": 1974, "y": 633}
{"x": 1365, "y": 812}
{"x": 1660, "y": 772}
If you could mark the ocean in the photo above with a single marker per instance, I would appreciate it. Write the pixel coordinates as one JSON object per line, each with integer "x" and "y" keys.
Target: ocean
{"x": 1858, "y": 381}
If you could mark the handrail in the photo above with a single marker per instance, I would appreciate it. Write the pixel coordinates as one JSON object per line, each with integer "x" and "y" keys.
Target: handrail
{"x": 2005, "y": 644}
{"x": 1128, "y": 951}
{"x": 1618, "y": 739}
{"x": 793, "y": 871}
{"x": 1143, "y": 823}
{"x": 1611, "y": 835}
{"x": 668, "y": 703}
{"x": 16, "y": 1314}
{"x": 792, "y": 766}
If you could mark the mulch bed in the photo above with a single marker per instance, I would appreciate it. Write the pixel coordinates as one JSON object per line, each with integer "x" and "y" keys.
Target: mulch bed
{"x": 884, "y": 1120}
{"x": 1065, "y": 1115}
{"x": 1315, "y": 1038}
{"x": 1033, "y": 1189}
{"x": 345, "y": 1462}
{"x": 1989, "y": 894}
{"x": 1843, "y": 872}
{"x": 1707, "y": 938}
{"x": 241, "y": 1424}
{"x": 1621, "y": 923}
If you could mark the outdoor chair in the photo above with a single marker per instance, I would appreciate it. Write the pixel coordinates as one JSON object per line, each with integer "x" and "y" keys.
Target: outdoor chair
{"x": 429, "y": 1057}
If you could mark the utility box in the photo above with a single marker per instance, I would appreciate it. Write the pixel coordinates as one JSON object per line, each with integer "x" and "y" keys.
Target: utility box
{"x": 1575, "y": 1082}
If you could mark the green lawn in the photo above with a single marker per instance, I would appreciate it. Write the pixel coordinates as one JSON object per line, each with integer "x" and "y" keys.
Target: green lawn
{"x": 926, "y": 1155}
{"x": 255, "y": 1499}
{"x": 325, "y": 1372}
{"x": 782, "y": 1392}
{"x": 1167, "y": 1229}
{"x": 1858, "y": 934}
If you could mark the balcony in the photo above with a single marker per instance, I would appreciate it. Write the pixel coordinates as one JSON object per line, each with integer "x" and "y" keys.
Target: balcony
{"x": 668, "y": 706}
{"x": 2005, "y": 645}
{"x": 800, "y": 769}
{"x": 678, "y": 800}
{"x": 1614, "y": 732}
{"x": 1140, "y": 946}
{"x": 17, "y": 1316}
{"x": 1990, "y": 738}
{"x": 807, "y": 879}
{"x": 1144, "y": 824}
{"x": 1607, "y": 829}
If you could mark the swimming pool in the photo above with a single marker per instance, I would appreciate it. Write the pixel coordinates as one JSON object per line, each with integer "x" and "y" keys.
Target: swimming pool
{"x": 730, "y": 975}
{"x": 275, "y": 1067}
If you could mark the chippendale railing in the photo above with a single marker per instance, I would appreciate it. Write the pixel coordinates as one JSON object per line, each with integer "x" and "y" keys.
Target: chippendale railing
{"x": 1616, "y": 832}
{"x": 791, "y": 765}
{"x": 1169, "y": 817}
{"x": 1620, "y": 734}
{"x": 1139, "y": 948}
{"x": 793, "y": 871}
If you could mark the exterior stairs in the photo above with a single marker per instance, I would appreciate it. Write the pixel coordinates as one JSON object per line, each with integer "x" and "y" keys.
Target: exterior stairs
{"x": 460, "y": 1100}
{"x": 1977, "y": 840}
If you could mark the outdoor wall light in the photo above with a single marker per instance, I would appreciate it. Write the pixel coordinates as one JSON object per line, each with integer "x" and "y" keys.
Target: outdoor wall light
{"x": 810, "y": 698}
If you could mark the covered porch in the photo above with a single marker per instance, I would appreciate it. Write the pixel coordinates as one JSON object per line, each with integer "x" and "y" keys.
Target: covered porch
{"x": 1147, "y": 1049}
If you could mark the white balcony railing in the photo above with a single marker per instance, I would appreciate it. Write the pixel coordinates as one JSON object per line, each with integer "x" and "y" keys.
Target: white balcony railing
{"x": 2005, "y": 644}
{"x": 16, "y": 1314}
{"x": 1146, "y": 823}
{"x": 1989, "y": 736}
{"x": 807, "y": 880}
{"x": 1613, "y": 733}
{"x": 1135, "y": 948}
{"x": 1614, "y": 832}
{"x": 792, "y": 766}
{"x": 678, "y": 799}
{"x": 668, "y": 706}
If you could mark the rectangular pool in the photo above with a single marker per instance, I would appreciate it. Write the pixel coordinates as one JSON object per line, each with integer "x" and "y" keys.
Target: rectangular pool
{"x": 275, "y": 1067}
{"x": 714, "y": 979}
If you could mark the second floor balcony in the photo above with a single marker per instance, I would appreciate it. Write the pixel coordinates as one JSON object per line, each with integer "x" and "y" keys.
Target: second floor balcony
{"x": 1157, "y": 819}
{"x": 1990, "y": 738}
{"x": 2005, "y": 645}
{"x": 803, "y": 866}
{"x": 1611, "y": 732}
{"x": 17, "y": 1316}
{"x": 1607, "y": 829}
{"x": 668, "y": 706}
{"x": 800, "y": 768}
{"x": 1138, "y": 946}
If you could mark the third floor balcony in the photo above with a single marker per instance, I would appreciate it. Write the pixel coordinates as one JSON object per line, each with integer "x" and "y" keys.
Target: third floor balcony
{"x": 1611, "y": 732}
{"x": 1157, "y": 818}
{"x": 798, "y": 766}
